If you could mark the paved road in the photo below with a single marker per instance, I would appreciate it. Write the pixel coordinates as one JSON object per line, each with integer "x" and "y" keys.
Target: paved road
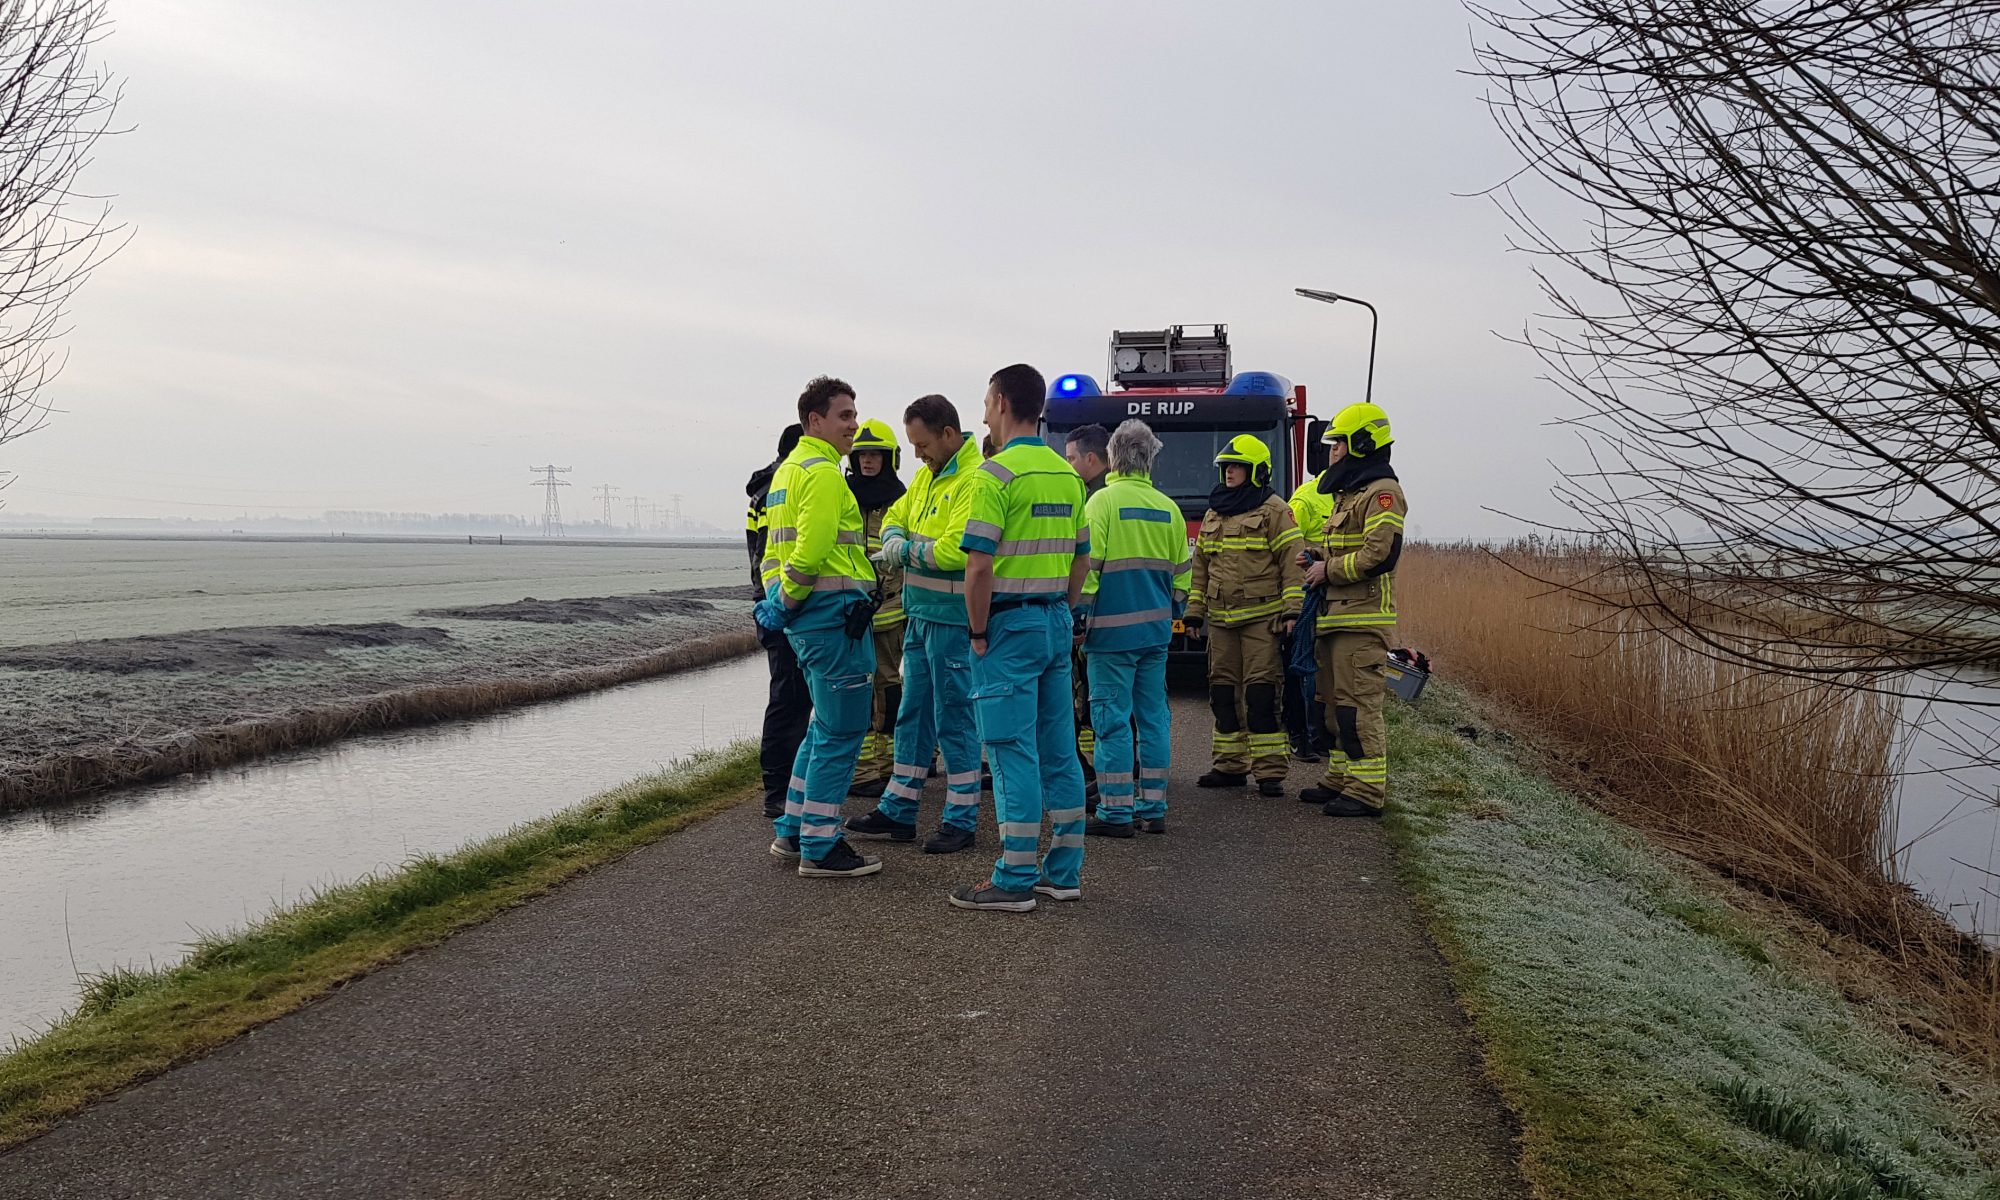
{"x": 1245, "y": 1007}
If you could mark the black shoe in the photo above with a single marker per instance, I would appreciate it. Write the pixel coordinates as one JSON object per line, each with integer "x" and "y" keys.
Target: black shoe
{"x": 785, "y": 847}
{"x": 1099, "y": 828}
{"x": 1318, "y": 795}
{"x": 1150, "y": 824}
{"x": 876, "y": 826}
{"x": 773, "y": 809}
{"x": 841, "y": 861}
{"x": 986, "y": 896}
{"x": 1045, "y": 888}
{"x": 1306, "y": 754}
{"x": 1274, "y": 788}
{"x": 1220, "y": 779}
{"x": 874, "y": 785}
{"x": 986, "y": 779}
{"x": 1343, "y": 806}
{"x": 949, "y": 839}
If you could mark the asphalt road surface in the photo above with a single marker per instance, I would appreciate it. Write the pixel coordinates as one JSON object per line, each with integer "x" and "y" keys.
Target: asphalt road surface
{"x": 1245, "y": 1007}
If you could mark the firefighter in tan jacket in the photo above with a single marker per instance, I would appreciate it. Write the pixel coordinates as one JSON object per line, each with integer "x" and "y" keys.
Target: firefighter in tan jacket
{"x": 872, "y": 475}
{"x": 1248, "y": 588}
{"x": 1356, "y": 565}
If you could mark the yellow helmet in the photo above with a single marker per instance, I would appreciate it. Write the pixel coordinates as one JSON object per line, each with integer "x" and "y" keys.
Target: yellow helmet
{"x": 1365, "y": 426}
{"x": 875, "y": 435}
{"x": 1246, "y": 449}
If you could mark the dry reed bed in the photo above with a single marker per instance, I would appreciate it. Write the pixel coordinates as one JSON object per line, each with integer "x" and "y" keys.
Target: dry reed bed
{"x": 1780, "y": 783}
{"x": 60, "y": 776}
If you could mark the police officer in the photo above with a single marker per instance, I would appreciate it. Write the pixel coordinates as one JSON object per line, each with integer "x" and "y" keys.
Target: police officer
{"x": 1361, "y": 540}
{"x": 820, "y": 598}
{"x": 1027, "y": 550}
{"x": 873, "y": 476}
{"x": 921, "y": 537}
{"x": 1248, "y": 589}
{"x": 789, "y": 705}
{"x": 1139, "y": 578}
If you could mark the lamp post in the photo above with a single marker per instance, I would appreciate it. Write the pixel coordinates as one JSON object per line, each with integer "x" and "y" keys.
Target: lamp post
{"x": 1374, "y": 321}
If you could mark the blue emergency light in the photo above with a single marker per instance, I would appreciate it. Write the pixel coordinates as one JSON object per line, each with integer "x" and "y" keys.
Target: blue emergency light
{"x": 1259, "y": 383}
{"x": 1073, "y": 387}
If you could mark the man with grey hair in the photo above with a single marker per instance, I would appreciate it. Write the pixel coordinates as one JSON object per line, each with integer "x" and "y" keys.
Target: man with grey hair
{"x": 1140, "y": 572}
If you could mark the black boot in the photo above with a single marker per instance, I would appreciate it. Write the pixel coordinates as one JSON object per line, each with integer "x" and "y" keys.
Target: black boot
{"x": 1112, "y": 829}
{"x": 1318, "y": 795}
{"x": 1273, "y": 788}
{"x": 1346, "y": 806}
{"x": 878, "y": 827}
{"x": 1222, "y": 779}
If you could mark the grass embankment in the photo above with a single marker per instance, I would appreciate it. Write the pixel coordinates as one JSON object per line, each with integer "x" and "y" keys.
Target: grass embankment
{"x": 57, "y": 776}
{"x": 132, "y": 1024}
{"x": 1656, "y": 1041}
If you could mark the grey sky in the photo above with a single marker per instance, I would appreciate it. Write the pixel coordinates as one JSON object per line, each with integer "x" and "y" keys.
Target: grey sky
{"x": 388, "y": 255}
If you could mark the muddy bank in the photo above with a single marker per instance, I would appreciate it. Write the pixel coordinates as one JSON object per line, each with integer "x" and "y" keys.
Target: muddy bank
{"x": 617, "y": 610}
{"x": 229, "y": 650}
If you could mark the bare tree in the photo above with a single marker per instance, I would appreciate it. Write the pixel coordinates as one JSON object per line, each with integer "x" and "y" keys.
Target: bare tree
{"x": 54, "y": 105}
{"x": 1767, "y": 231}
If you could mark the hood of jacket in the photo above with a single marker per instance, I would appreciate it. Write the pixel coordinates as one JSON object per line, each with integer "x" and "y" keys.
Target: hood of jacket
{"x": 1353, "y": 473}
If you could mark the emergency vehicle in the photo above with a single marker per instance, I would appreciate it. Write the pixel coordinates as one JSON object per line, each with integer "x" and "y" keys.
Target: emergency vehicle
{"x": 1181, "y": 383}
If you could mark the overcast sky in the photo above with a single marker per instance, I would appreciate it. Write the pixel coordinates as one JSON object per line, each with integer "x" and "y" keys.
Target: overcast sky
{"x": 390, "y": 255}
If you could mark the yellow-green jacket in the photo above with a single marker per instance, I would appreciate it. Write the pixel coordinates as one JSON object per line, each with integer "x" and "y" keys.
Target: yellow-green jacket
{"x": 931, "y": 516}
{"x": 817, "y": 546}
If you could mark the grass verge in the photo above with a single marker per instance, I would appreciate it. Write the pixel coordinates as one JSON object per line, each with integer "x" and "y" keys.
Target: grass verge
{"x": 132, "y": 1024}
{"x": 1656, "y": 1041}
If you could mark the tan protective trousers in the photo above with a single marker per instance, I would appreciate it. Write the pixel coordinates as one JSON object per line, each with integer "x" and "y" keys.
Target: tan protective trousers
{"x": 1245, "y": 675}
{"x": 1352, "y": 687}
{"x": 878, "y": 748}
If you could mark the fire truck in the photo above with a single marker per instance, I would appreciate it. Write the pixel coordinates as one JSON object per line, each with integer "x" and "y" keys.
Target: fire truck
{"x": 1180, "y": 381}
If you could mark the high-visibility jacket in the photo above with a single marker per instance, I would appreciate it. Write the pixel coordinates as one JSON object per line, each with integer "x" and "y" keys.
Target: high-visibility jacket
{"x": 753, "y": 537}
{"x": 1310, "y": 509}
{"x": 931, "y": 517}
{"x": 817, "y": 546}
{"x": 1246, "y": 566}
{"x": 1139, "y": 565}
{"x": 1027, "y": 512}
{"x": 888, "y": 579}
{"x": 1363, "y": 537}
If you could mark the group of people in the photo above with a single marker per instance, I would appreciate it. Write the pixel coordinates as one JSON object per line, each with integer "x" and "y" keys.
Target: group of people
{"x": 1011, "y": 603}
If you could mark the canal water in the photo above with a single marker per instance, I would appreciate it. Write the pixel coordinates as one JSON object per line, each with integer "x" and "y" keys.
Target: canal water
{"x": 1946, "y": 834}
{"x": 130, "y": 877}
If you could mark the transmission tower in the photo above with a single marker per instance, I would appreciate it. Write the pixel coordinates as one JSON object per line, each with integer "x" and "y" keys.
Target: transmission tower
{"x": 676, "y": 498}
{"x": 637, "y": 503}
{"x": 552, "y": 525}
{"x": 604, "y": 491}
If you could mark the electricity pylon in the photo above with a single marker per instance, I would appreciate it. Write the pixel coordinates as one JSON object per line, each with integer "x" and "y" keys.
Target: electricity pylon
{"x": 552, "y": 525}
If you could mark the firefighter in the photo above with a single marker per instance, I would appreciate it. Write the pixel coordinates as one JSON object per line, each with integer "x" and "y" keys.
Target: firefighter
{"x": 788, "y": 707}
{"x": 1086, "y": 449}
{"x": 820, "y": 599}
{"x": 1304, "y": 701}
{"x": 920, "y": 537}
{"x": 1138, "y": 581}
{"x": 1027, "y": 549}
{"x": 872, "y": 475}
{"x": 1362, "y": 538}
{"x": 1248, "y": 591}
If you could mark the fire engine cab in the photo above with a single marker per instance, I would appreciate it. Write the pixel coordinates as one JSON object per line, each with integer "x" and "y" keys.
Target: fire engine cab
{"x": 1182, "y": 385}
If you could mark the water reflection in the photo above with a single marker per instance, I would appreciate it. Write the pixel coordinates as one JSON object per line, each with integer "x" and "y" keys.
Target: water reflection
{"x": 1947, "y": 822}
{"x": 129, "y": 877}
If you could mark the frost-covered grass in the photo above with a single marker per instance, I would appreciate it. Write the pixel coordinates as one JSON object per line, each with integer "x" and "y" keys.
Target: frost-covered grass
{"x": 1656, "y": 1041}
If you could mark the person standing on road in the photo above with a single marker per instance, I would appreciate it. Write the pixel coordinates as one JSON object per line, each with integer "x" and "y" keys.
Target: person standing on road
{"x": 1085, "y": 448}
{"x": 790, "y": 705}
{"x": 1304, "y": 701}
{"x": 1248, "y": 590}
{"x": 820, "y": 598}
{"x": 1361, "y": 541}
{"x": 872, "y": 475}
{"x": 1027, "y": 550}
{"x": 921, "y": 537}
{"x": 1139, "y": 578}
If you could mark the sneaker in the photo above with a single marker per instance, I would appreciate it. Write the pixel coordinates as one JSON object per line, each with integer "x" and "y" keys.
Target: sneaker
{"x": 1221, "y": 779}
{"x": 874, "y": 785}
{"x": 949, "y": 839}
{"x": 1273, "y": 788}
{"x": 840, "y": 861}
{"x": 1150, "y": 824}
{"x": 877, "y": 826}
{"x": 1045, "y": 888}
{"x": 785, "y": 847}
{"x": 986, "y": 896}
{"x": 1097, "y": 827}
{"x": 1343, "y": 806}
{"x": 1318, "y": 795}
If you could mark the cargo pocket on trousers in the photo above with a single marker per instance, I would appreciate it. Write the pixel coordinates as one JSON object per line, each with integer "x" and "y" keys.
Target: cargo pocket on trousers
{"x": 853, "y": 707}
{"x": 997, "y": 709}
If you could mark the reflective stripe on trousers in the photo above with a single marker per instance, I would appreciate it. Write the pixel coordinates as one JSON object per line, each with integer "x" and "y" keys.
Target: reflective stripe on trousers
{"x": 1022, "y": 701}
{"x": 1125, "y": 684}
{"x": 937, "y": 678}
{"x": 839, "y": 674}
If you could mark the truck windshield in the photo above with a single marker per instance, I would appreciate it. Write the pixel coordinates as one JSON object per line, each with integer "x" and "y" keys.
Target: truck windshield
{"x": 1185, "y": 470}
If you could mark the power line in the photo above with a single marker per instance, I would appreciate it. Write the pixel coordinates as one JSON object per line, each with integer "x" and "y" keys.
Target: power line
{"x": 552, "y": 525}
{"x": 604, "y": 491}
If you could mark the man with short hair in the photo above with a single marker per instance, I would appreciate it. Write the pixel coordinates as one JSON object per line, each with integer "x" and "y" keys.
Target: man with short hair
{"x": 1139, "y": 578}
{"x": 921, "y": 536}
{"x": 819, "y": 597}
{"x": 1027, "y": 550}
{"x": 1086, "y": 449}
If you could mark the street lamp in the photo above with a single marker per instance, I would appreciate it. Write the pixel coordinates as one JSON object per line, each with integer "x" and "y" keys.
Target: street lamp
{"x": 1373, "y": 322}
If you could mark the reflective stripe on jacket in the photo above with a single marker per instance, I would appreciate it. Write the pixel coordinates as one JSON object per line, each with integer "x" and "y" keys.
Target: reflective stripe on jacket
{"x": 888, "y": 579}
{"x": 931, "y": 516}
{"x": 1027, "y": 512}
{"x": 817, "y": 544}
{"x": 1140, "y": 569}
{"x": 1363, "y": 537}
{"x": 1246, "y": 566}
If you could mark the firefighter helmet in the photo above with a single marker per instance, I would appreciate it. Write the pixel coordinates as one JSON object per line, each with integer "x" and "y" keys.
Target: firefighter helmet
{"x": 1365, "y": 426}
{"x": 875, "y": 435}
{"x": 1248, "y": 450}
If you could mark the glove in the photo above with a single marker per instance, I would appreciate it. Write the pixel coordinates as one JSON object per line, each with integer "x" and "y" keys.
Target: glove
{"x": 771, "y": 614}
{"x": 895, "y": 551}
{"x": 1191, "y": 623}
